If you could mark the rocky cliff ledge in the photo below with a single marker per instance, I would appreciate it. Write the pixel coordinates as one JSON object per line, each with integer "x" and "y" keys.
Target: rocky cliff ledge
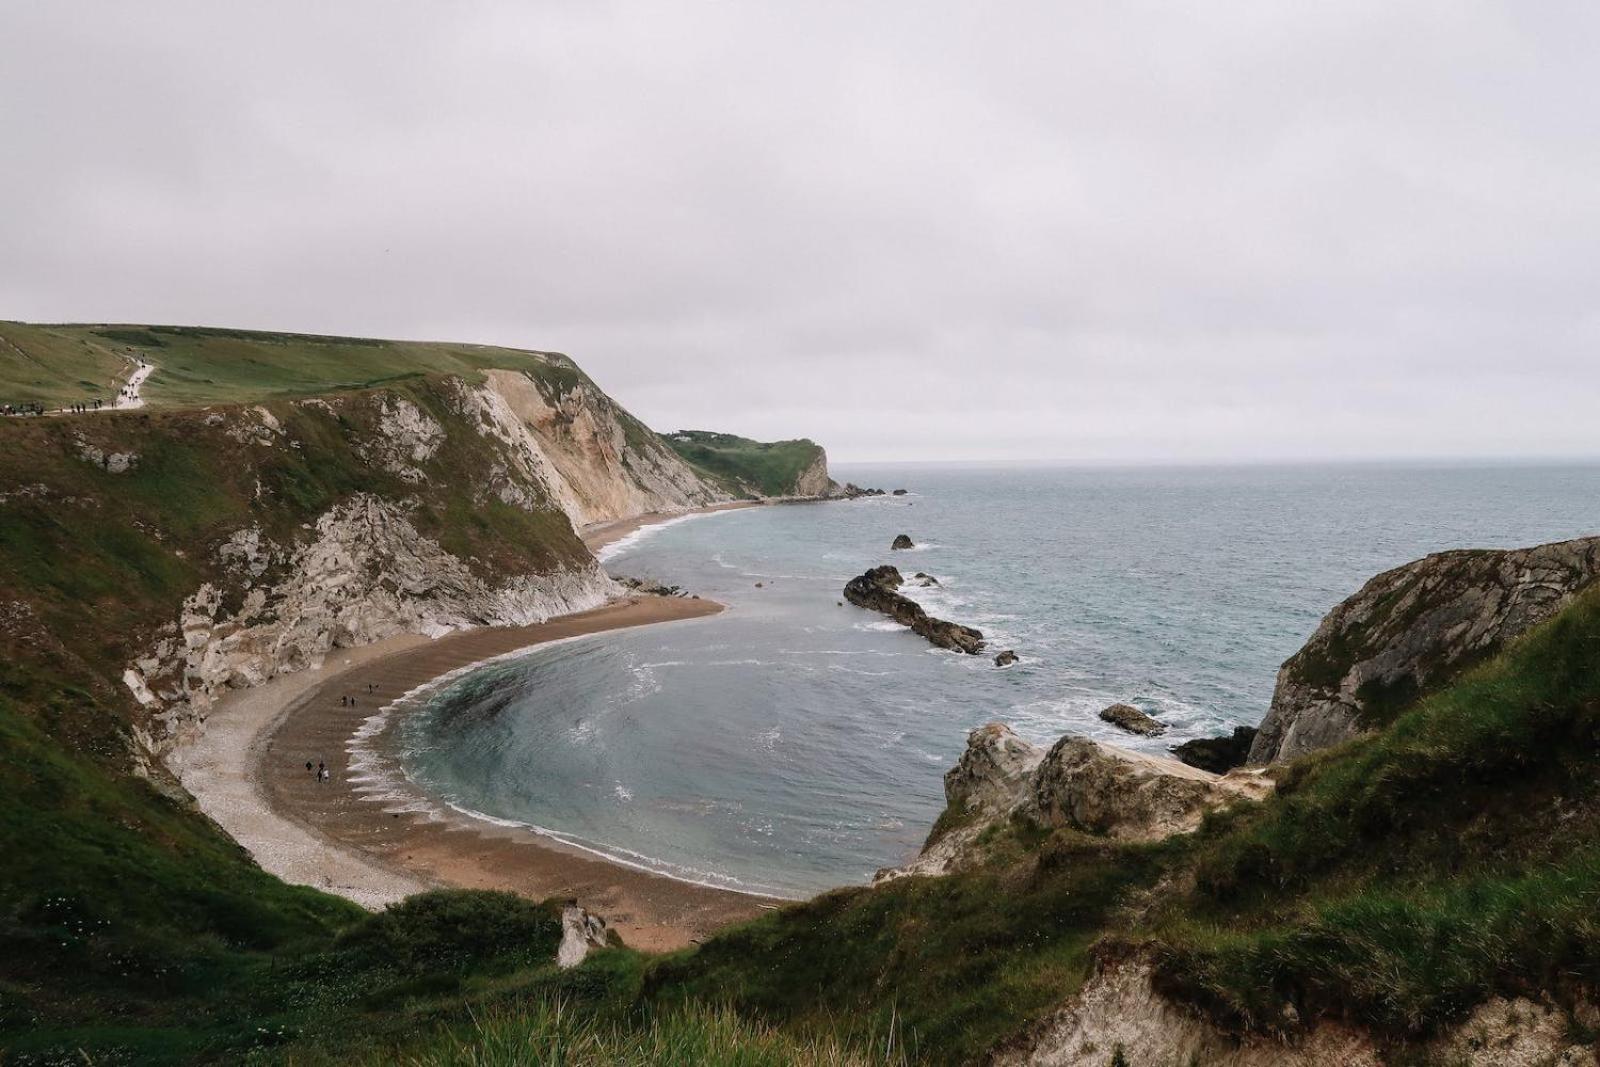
{"x": 1077, "y": 784}
{"x": 877, "y": 590}
{"x": 1411, "y": 629}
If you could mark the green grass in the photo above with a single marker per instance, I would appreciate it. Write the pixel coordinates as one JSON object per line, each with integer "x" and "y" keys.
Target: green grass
{"x": 955, "y": 963}
{"x": 552, "y": 1033}
{"x": 1404, "y": 878}
{"x": 203, "y": 365}
{"x": 743, "y": 466}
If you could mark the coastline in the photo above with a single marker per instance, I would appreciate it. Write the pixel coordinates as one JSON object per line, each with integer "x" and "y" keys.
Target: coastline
{"x": 247, "y": 772}
{"x": 598, "y": 535}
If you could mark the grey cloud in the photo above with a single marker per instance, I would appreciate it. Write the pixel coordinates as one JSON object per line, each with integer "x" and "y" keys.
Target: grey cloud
{"x": 1092, "y": 231}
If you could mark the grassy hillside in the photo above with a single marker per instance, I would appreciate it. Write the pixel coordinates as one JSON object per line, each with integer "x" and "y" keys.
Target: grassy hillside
{"x": 743, "y": 466}
{"x": 205, "y": 365}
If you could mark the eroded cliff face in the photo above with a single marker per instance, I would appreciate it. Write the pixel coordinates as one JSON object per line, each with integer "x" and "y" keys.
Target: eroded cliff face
{"x": 1119, "y": 1009}
{"x": 1076, "y": 784}
{"x": 601, "y": 464}
{"x": 814, "y": 480}
{"x": 454, "y": 518}
{"x": 1411, "y": 629}
{"x": 365, "y": 574}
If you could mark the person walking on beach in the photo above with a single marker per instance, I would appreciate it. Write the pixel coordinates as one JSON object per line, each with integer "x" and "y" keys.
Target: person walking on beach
{"x": 308, "y": 766}
{"x": 322, "y": 771}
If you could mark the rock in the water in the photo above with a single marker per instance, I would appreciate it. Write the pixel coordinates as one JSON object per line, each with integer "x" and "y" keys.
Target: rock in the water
{"x": 1129, "y": 718}
{"x": 1219, "y": 755}
{"x": 899, "y": 492}
{"x": 903, "y": 541}
{"x": 1412, "y": 629}
{"x": 1005, "y": 659}
{"x": 851, "y": 491}
{"x": 876, "y": 590}
{"x": 1100, "y": 789}
{"x": 925, "y": 579}
{"x": 581, "y": 931}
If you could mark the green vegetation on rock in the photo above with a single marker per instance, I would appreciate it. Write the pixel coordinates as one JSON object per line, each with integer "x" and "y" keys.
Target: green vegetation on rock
{"x": 745, "y": 467}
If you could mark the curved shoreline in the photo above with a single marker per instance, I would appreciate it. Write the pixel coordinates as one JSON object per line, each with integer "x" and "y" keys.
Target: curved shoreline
{"x": 247, "y": 772}
{"x": 428, "y": 846}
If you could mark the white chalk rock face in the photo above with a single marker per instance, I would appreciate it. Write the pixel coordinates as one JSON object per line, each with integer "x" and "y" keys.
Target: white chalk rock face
{"x": 581, "y": 933}
{"x": 366, "y": 574}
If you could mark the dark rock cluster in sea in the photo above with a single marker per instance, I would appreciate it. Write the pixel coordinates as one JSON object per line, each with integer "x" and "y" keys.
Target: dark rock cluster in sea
{"x": 903, "y": 541}
{"x": 851, "y": 490}
{"x": 1006, "y": 658}
{"x": 877, "y": 590}
{"x": 1129, "y": 718}
{"x": 1219, "y": 755}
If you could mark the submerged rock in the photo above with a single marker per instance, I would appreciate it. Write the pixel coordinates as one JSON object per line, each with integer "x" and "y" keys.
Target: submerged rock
{"x": 1006, "y": 658}
{"x": 1411, "y": 629}
{"x": 876, "y": 590}
{"x": 903, "y": 541}
{"x": 1217, "y": 754}
{"x": 899, "y": 492}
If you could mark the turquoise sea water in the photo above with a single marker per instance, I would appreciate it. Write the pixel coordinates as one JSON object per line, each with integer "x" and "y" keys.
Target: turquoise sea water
{"x": 792, "y": 744}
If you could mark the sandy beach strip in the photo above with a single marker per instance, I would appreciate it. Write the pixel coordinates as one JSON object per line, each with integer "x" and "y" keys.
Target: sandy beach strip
{"x": 247, "y": 772}
{"x": 598, "y": 535}
{"x": 650, "y": 911}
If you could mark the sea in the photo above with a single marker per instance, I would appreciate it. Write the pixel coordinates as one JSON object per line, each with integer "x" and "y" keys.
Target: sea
{"x": 796, "y": 743}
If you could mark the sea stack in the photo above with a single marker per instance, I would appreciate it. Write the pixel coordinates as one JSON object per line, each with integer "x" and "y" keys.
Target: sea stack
{"x": 903, "y": 541}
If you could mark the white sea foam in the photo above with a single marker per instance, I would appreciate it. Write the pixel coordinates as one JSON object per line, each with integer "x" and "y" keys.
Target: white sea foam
{"x": 632, "y": 540}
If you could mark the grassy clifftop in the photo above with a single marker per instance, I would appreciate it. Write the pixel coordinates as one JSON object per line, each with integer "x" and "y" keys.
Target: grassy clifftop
{"x": 747, "y": 467}
{"x": 55, "y": 364}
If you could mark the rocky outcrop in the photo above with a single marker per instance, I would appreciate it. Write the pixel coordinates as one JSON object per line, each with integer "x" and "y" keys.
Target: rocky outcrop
{"x": 1411, "y": 629}
{"x": 992, "y": 774}
{"x": 924, "y": 579}
{"x": 581, "y": 933}
{"x": 365, "y": 574}
{"x": 1219, "y": 755}
{"x": 1079, "y": 785}
{"x": 1006, "y": 658}
{"x": 902, "y": 541}
{"x": 900, "y": 492}
{"x": 1119, "y": 1010}
{"x": 1129, "y": 796}
{"x": 1129, "y": 718}
{"x": 850, "y": 491}
{"x": 876, "y": 590}
{"x": 987, "y": 784}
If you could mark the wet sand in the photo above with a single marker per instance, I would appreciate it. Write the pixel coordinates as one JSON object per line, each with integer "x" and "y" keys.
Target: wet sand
{"x": 648, "y": 910}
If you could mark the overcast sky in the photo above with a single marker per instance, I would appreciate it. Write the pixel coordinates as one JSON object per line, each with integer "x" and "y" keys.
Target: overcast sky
{"x": 1084, "y": 231}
